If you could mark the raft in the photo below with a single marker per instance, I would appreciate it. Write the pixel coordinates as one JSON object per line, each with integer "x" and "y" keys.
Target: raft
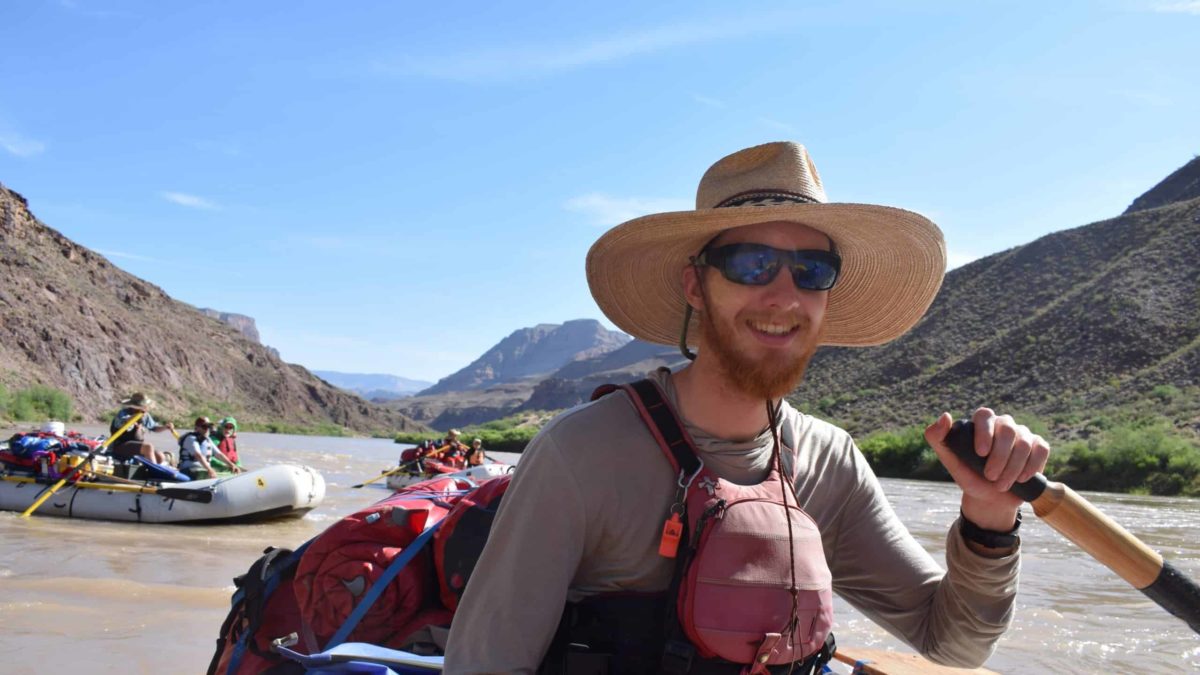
{"x": 276, "y": 491}
{"x": 474, "y": 474}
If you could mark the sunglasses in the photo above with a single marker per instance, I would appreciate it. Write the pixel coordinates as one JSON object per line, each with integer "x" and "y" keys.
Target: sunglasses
{"x": 758, "y": 265}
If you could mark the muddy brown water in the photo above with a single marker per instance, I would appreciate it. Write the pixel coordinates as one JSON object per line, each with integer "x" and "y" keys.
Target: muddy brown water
{"x": 98, "y": 597}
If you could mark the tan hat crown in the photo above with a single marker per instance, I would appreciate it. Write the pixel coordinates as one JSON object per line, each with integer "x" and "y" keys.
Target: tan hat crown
{"x": 773, "y": 173}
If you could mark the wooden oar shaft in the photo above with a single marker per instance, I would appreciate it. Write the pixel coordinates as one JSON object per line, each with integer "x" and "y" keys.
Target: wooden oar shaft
{"x": 1112, "y": 545}
{"x": 880, "y": 662}
{"x": 114, "y": 487}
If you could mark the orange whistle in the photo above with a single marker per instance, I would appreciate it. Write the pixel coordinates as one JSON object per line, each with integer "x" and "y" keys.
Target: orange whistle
{"x": 668, "y": 546}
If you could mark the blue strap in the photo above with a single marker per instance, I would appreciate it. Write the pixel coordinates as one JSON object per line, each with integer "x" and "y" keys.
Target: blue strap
{"x": 381, "y": 583}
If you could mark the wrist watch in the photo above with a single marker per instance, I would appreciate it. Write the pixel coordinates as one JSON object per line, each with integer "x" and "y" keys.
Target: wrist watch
{"x": 989, "y": 538}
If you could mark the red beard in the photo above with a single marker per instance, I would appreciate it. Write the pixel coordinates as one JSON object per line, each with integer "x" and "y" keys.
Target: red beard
{"x": 765, "y": 378}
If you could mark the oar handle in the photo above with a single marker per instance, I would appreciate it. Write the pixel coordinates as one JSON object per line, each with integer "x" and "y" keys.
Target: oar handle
{"x": 1112, "y": 545}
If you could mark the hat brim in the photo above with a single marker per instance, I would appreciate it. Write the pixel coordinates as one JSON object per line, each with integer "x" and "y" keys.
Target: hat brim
{"x": 893, "y": 262}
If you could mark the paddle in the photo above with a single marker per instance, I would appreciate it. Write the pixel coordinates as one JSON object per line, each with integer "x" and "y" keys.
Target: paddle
{"x": 200, "y": 495}
{"x": 880, "y": 662}
{"x": 385, "y": 474}
{"x": 86, "y": 462}
{"x": 1106, "y": 541}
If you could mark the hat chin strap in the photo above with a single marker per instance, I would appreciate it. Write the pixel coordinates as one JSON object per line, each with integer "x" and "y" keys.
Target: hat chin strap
{"x": 687, "y": 318}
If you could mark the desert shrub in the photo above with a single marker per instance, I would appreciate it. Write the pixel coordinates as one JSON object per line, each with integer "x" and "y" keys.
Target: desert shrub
{"x": 40, "y": 402}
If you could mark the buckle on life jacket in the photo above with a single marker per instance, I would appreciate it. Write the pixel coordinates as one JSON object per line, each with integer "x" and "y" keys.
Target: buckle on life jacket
{"x": 677, "y": 657}
{"x": 766, "y": 649}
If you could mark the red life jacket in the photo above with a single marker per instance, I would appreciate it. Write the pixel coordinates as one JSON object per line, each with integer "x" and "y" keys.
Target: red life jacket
{"x": 751, "y": 588}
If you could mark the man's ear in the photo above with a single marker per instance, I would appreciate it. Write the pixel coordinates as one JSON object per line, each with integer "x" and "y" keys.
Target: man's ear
{"x": 691, "y": 287}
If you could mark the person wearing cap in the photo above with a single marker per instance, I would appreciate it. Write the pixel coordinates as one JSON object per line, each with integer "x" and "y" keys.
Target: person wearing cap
{"x": 196, "y": 450}
{"x": 749, "y": 284}
{"x": 133, "y": 441}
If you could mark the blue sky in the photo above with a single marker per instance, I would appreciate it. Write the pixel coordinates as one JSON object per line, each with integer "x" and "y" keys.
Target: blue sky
{"x": 393, "y": 187}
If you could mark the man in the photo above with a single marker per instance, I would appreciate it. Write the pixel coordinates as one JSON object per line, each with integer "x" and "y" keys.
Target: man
{"x": 757, "y": 277}
{"x": 133, "y": 441}
{"x": 197, "y": 450}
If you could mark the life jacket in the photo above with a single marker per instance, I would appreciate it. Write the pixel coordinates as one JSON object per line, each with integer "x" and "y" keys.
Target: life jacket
{"x": 368, "y": 576}
{"x": 460, "y": 541}
{"x": 751, "y": 592}
{"x": 185, "y": 453}
{"x": 228, "y": 445}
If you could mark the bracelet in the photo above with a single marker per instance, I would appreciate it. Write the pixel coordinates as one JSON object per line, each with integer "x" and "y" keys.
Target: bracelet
{"x": 989, "y": 538}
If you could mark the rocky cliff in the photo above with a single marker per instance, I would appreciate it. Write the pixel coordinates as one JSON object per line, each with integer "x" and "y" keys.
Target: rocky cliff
{"x": 74, "y": 321}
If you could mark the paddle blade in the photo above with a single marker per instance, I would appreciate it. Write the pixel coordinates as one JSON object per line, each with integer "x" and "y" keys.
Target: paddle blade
{"x": 186, "y": 494}
{"x": 1176, "y": 593}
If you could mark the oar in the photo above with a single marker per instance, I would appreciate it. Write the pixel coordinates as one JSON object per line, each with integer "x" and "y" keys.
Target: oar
{"x": 86, "y": 462}
{"x": 200, "y": 495}
{"x": 385, "y": 474}
{"x": 1106, "y": 541}
{"x": 880, "y": 662}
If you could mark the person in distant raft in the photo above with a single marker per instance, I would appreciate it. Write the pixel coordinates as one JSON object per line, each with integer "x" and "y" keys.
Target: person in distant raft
{"x": 196, "y": 451}
{"x": 224, "y": 434}
{"x": 695, "y": 522}
{"x": 476, "y": 456}
{"x": 133, "y": 442}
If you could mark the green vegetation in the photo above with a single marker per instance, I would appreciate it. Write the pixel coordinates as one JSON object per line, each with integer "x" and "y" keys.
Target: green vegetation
{"x": 510, "y": 434}
{"x": 317, "y": 429}
{"x": 1145, "y": 455}
{"x": 36, "y": 402}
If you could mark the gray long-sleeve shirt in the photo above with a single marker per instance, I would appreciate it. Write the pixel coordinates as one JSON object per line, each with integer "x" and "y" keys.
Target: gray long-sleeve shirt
{"x": 585, "y": 510}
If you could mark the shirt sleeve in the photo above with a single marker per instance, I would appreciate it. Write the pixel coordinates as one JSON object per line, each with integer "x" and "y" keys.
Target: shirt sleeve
{"x": 953, "y": 617}
{"x": 515, "y": 597}
{"x": 149, "y": 422}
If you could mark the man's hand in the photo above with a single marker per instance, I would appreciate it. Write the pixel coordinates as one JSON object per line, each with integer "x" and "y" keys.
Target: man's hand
{"x": 1014, "y": 454}
{"x": 212, "y": 472}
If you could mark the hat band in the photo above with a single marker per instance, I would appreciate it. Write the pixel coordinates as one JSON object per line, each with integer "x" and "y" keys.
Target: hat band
{"x": 765, "y": 198}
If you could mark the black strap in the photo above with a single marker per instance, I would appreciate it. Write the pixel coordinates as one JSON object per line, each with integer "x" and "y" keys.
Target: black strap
{"x": 662, "y": 416}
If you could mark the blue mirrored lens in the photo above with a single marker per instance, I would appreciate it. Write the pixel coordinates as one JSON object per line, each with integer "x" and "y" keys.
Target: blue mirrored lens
{"x": 752, "y": 266}
{"x": 812, "y": 274}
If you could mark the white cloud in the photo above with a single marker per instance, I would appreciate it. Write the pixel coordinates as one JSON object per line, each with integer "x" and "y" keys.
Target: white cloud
{"x": 959, "y": 258}
{"x": 502, "y": 63}
{"x": 190, "y": 201}
{"x": 1183, "y": 7}
{"x": 602, "y": 209}
{"x": 19, "y": 145}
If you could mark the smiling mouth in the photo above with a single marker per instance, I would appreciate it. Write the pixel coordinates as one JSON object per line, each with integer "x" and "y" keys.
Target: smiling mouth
{"x": 772, "y": 328}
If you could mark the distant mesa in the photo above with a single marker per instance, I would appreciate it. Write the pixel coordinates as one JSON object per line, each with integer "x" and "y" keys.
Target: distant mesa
{"x": 243, "y": 323}
{"x": 373, "y": 386}
{"x": 533, "y": 353}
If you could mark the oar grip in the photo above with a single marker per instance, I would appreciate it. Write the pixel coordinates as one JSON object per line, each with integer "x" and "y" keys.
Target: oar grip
{"x": 961, "y": 439}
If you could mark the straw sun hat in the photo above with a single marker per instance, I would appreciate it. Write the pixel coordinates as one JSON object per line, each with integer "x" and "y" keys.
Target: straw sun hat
{"x": 138, "y": 400}
{"x": 892, "y": 260}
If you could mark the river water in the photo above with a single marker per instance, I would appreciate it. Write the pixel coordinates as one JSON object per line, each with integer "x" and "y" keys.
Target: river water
{"x": 98, "y": 597}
